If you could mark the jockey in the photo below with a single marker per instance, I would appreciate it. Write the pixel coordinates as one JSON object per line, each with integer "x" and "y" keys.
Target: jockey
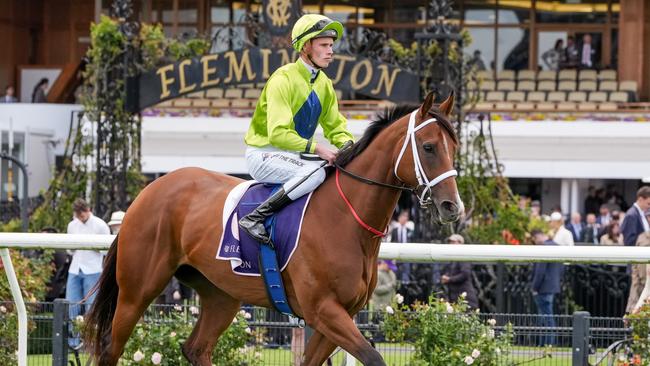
{"x": 297, "y": 97}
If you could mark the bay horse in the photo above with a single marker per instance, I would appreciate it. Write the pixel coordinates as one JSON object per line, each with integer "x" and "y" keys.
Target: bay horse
{"x": 174, "y": 226}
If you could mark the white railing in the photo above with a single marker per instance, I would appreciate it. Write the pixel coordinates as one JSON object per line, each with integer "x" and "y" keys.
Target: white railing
{"x": 408, "y": 252}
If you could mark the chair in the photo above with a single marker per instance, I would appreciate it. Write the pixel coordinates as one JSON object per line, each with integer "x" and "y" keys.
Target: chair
{"x": 587, "y": 85}
{"x": 607, "y": 75}
{"x": 608, "y": 85}
{"x": 545, "y": 106}
{"x": 484, "y": 106}
{"x": 485, "y": 75}
{"x": 201, "y": 103}
{"x": 506, "y": 85}
{"x": 504, "y": 106}
{"x": 526, "y": 85}
{"x": 567, "y": 85}
{"x": 234, "y": 93}
{"x": 165, "y": 104}
{"x": 547, "y": 75}
{"x": 570, "y": 75}
{"x": 221, "y": 103}
{"x": 556, "y": 96}
{"x": 536, "y": 96}
{"x": 494, "y": 96}
{"x": 182, "y": 102}
{"x": 628, "y": 85}
{"x": 546, "y": 85}
{"x": 587, "y": 75}
{"x": 196, "y": 95}
{"x": 252, "y": 93}
{"x": 214, "y": 93}
{"x": 566, "y": 106}
{"x": 516, "y": 96}
{"x": 506, "y": 75}
{"x": 526, "y": 75}
{"x": 487, "y": 85}
{"x": 524, "y": 106}
{"x": 619, "y": 97}
{"x": 597, "y": 97}
{"x": 607, "y": 106}
{"x": 577, "y": 97}
{"x": 588, "y": 106}
{"x": 240, "y": 103}
{"x": 472, "y": 85}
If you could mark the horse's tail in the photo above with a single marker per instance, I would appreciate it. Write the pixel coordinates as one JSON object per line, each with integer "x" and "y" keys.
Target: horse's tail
{"x": 98, "y": 321}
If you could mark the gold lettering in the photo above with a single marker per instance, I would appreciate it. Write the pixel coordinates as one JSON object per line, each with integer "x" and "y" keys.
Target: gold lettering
{"x": 355, "y": 74}
{"x": 265, "y": 62}
{"x": 165, "y": 81}
{"x": 181, "y": 69}
{"x": 208, "y": 71}
{"x": 388, "y": 81}
{"x": 238, "y": 69}
{"x": 294, "y": 56}
{"x": 284, "y": 56}
{"x": 339, "y": 72}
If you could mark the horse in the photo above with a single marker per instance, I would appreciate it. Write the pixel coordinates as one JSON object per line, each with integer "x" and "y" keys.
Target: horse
{"x": 174, "y": 225}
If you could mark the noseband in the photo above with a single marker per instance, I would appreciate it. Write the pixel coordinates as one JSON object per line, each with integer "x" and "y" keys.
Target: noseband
{"x": 423, "y": 189}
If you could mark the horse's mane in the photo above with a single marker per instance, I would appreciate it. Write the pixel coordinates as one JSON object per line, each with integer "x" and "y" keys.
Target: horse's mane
{"x": 385, "y": 119}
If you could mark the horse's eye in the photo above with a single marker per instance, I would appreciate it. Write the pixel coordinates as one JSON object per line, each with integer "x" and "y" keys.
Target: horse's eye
{"x": 428, "y": 148}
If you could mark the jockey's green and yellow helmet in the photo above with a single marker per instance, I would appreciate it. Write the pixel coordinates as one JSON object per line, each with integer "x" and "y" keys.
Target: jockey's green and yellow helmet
{"x": 311, "y": 26}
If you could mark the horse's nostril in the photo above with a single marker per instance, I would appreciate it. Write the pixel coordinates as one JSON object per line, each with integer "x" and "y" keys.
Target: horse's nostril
{"x": 449, "y": 208}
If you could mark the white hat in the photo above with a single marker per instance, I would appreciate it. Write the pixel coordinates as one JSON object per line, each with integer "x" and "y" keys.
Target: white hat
{"x": 556, "y": 216}
{"x": 116, "y": 218}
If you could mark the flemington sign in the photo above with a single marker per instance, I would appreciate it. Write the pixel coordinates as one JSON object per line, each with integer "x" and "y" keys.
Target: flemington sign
{"x": 255, "y": 65}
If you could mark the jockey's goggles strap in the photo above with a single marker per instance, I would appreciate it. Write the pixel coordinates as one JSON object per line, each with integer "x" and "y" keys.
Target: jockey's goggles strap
{"x": 316, "y": 27}
{"x": 420, "y": 173}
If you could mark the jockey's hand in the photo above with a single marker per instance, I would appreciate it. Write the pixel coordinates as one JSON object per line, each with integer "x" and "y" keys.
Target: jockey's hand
{"x": 325, "y": 153}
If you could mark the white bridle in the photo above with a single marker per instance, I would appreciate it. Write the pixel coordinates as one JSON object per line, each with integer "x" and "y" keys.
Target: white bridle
{"x": 420, "y": 174}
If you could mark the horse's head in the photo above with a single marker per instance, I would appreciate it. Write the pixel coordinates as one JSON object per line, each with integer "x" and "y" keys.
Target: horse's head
{"x": 425, "y": 159}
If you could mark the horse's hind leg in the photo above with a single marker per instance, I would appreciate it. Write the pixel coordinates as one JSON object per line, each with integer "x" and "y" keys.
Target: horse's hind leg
{"x": 217, "y": 311}
{"x": 334, "y": 322}
{"x": 318, "y": 350}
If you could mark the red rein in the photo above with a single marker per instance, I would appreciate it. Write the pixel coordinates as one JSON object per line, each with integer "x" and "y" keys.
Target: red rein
{"x": 354, "y": 213}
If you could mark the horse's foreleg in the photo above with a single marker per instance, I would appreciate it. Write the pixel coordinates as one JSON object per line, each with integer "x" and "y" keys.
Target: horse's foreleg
{"x": 217, "y": 311}
{"x": 318, "y": 349}
{"x": 334, "y": 322}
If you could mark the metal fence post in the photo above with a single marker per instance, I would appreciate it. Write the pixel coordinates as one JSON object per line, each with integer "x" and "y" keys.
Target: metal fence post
{"x": 60, "y": 333}
{"x": 580, "y": 338}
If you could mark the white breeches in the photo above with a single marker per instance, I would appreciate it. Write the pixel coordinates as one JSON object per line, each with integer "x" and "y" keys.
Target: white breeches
{"x": 272, "y": 165}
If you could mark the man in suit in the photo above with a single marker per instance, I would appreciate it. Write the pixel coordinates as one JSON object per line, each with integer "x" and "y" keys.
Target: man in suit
{"x": 403, "y": 233}
{"x": 591, "y": 232}
{"x": 9, "y": 96}
{"x": 634, "y": 222}
{"x": 545, "y": 284}
{"x": 575, "y": 226}
{"x": 458, "y": 278}
{"x": 588, "y": 54}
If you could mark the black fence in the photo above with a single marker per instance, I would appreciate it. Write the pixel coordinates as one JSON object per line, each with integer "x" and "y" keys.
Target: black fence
{"x": 579, "y": 339}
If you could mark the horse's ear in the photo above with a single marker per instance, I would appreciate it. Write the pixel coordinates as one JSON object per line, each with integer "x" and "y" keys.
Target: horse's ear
{"x": 447, "y": 106}
{"x": 428, "y": 103}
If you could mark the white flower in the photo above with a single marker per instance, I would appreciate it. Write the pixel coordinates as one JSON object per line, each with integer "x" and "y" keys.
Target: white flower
{"x": 247, "y": 315}
{"x": 138, "y": 356}
{"x": 234, "y": 320}
{"x": 172, "y": 334}
{"x": 258, "y": 354}
{"x": 492, "y": 322}
{"x": 3, "y": 309}
{"x": 390, "y": 310}
{"x": 621, "y": 358}
{"x": 399, "y": 298}
{"x": 450, "y": 309}
{"x": 463, "y": 295}
{"x": 242, "y": 312}
{"x": 79, "y": 319}
{"x": 156, "y": 358}
{"x": 476, "y": 353}
{"x": 469, "y": 360}
{"x": 178, "y": 308}
{"x": 248, "y": 330}
{"x": 497, "y": 350}
{"x": 194, "y": 310}
{"x": 490, "y": 334}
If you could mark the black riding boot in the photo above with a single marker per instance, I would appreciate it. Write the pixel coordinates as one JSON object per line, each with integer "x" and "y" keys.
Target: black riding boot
{"x": 253, "y": 223}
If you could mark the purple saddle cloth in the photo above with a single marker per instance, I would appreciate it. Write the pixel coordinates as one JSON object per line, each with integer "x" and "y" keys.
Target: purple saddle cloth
{"x": 242, "y": 250}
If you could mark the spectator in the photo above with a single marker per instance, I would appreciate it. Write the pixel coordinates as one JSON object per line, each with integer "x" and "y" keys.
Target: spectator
{"x": 554, "y": 57}
{"x": 591, "y": 232}
{"x": 535, "y": 209}
{"x": 546, "y": 283}
{"x": 587, "y": 53}
{"x": 575, "y": 226}
{"x": 638, "y": 291}
{"x": 635, "y": 222}
{"x": 477, "y": 61}
{"x": 402, "y": 232}
{"x": 9, "y": 96}
{"x": 561, "y": 236}
{"x": 604, "y": 216}
{"x": 86, "y": 265}
{"x": 38, "y": 95}
{"x": 385, "y": 288}
{"x": 116, "y": 222}
{"x": 61, "y": 263}
{"x": 612, "y": 235}
{"x": 458, "y": 278}
{"x": 571, "y": 54}
{"x": 592, "y": 203}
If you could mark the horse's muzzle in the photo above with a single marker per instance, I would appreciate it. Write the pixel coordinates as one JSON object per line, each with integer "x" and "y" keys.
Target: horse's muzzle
{"x": 449, "y": 211}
